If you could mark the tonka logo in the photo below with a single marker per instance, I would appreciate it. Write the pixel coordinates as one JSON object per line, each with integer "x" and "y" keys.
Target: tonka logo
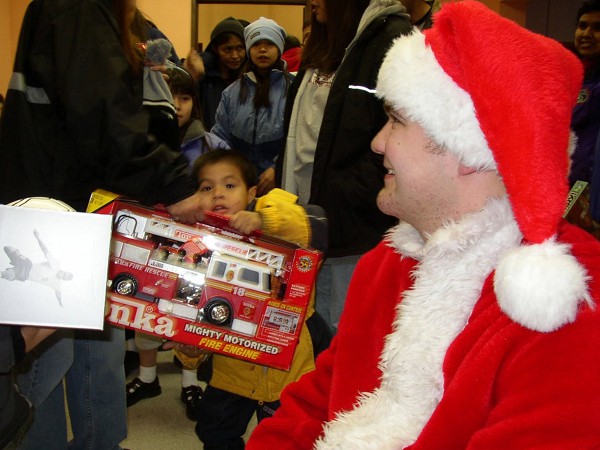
{"x": 130, "y": 313}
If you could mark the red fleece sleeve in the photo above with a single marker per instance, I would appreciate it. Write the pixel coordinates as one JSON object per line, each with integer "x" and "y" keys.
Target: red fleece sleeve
{"x": 547, "y": 395}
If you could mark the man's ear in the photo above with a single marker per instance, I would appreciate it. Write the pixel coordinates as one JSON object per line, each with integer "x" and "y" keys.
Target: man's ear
{"x": 465, "y": 170}
{"x": 252, "y": 193}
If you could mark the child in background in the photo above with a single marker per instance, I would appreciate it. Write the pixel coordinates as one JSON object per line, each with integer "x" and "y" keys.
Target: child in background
{"x": 219, "y": 66}
{"x": 250, "y": 115}
{"x": 193, "y": 139}
{"x": 194, "y": 142}
{"x": 292, "y": 53}
{"x": 238, "y": 389}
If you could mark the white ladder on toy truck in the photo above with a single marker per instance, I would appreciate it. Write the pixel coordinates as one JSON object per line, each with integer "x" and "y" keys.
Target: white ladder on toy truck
{"x": 168, "y": 229}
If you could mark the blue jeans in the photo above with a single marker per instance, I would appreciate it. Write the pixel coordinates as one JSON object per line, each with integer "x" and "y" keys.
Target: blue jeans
{"x": 91, "y": 363}
{"x": 332, "y": 286}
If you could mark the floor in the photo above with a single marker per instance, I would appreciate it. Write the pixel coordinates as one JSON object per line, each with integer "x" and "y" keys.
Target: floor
{"x": 160, "y": 423}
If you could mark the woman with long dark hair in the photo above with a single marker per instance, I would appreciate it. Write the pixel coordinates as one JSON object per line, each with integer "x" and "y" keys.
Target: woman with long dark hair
{"x": 220, "y": 65}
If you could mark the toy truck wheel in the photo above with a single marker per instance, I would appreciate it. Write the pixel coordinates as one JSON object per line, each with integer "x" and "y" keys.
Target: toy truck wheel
{"x": 218, "y": 311}
{"x": 125, "y": 284}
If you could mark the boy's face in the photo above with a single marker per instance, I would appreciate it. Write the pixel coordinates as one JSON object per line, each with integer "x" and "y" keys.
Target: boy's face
{"x": 223, "y": 190}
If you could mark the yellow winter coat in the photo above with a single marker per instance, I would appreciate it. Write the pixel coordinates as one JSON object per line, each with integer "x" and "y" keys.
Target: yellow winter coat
{"x": 284, "y": 219}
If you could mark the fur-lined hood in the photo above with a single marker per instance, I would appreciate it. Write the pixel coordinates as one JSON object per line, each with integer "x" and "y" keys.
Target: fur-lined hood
{"x": 376, "y": 9}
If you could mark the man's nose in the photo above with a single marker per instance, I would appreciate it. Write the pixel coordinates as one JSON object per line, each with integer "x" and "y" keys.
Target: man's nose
{"x": 378, "y": 142}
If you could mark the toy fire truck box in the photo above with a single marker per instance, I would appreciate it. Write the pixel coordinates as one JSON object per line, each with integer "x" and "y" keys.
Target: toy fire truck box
{"x": 207, "y": 285}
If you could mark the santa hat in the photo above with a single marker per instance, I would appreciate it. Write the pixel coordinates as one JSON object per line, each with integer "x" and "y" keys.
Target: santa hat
{"x": 500, "y": 97}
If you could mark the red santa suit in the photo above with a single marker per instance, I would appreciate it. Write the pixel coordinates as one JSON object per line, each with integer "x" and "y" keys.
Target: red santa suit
{"x": 486, "y": 334}
{"x": 428, "y": 356}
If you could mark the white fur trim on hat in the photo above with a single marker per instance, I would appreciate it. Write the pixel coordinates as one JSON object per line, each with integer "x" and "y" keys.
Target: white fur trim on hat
{"x": 428, "y": 96}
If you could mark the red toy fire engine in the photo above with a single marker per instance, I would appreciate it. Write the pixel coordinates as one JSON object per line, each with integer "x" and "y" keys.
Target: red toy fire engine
{"x": 207, "y": 285}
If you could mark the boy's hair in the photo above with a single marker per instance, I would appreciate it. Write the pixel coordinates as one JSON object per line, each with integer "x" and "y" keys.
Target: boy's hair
{"x": 232, "y": 157}
{"x": 587, "y": 7}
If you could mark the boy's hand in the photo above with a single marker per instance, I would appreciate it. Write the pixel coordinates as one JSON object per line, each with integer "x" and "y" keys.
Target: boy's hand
{"x": 246, "y": 222}
{"x": 187, "y": 210}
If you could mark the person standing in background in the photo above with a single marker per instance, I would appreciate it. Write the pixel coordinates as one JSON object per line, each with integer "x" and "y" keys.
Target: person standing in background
{"x": 250, "y": 115}
{"x": 586, "y": 115}
{"x": 330, "y": 120}
{"x": 219, "y": 66}
{"x": 194, "y": 139}
{"x": 292, "y": 53}
{"x": 74, "y": 122}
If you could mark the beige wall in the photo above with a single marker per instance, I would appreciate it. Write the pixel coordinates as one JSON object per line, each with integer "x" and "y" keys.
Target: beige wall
{"x": 176, "y": 20}
{"x": 11, "y": 15}
{"x": 173, "y": 17}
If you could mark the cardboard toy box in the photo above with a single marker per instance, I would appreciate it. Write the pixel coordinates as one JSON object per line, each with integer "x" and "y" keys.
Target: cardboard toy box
{"x": 206, "y": 284}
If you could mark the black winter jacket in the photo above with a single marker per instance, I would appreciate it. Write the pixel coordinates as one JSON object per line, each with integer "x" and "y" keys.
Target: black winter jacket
{"x": 73, "y": 120}
{"x": 347, "y": 175}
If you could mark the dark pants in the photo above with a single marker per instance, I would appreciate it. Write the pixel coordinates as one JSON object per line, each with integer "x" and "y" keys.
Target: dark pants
{"x": 223, "y": 418}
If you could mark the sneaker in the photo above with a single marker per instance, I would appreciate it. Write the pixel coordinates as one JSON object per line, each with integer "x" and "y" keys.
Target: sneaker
{"x": 138, "y": 390}
{"x": 190, "y": 395}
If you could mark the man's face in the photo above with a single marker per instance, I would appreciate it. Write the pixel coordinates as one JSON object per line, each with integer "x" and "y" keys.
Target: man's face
{"x": 419, "y": 184}
{"x": 222, "y": 189}
{"x": 587, "y": 35}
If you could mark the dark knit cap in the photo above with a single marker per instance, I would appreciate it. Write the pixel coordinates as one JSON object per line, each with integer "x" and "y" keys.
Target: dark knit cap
{"x": 229, "y": 25}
